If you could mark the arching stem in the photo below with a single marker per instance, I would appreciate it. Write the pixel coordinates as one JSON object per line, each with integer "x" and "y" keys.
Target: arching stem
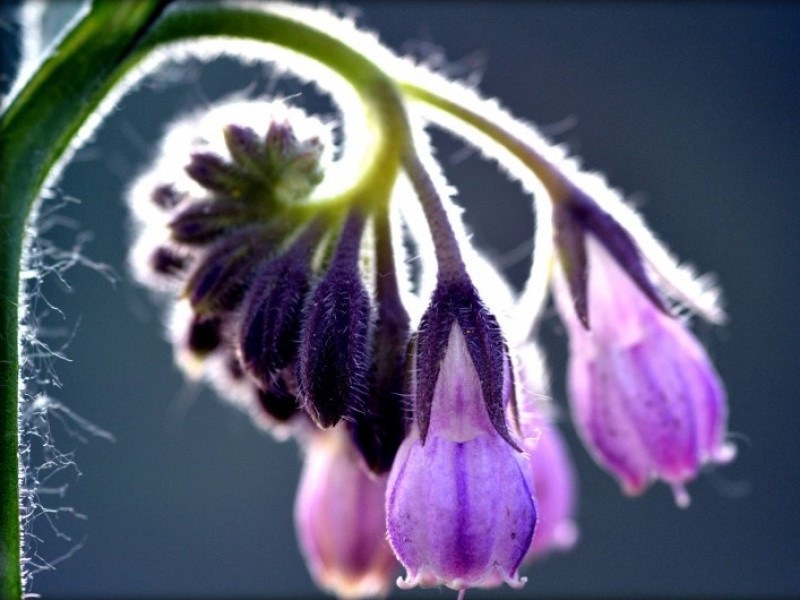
{"x": 64, "y": 100}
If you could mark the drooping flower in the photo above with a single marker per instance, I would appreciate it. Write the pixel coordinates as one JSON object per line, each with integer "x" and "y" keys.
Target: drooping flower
{"x": 553, "y": 474}
{"x": 644, "y": 394}
{"x": 340, "y": 519}
{"x": 460, "y": 507}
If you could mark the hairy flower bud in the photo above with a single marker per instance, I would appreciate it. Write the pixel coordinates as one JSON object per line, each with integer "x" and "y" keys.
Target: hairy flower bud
{"x": 297, "y": 164}
{"x": 201, "y": 223}
{"x": 206, "y": 232}
{"x": 458, "y": 302}
{"x": 333, "y": 369}
{"x": 279, "y": 398}
{"x": 379, "y": 428}
{"x": 644, "y": 395}
{"x": 340, "y": 519}
{"x": 204, "y": 335}
{"x": 263, "y": 172}
{"x": 222, "y": 275}
{"x": 270, "y": 325}
{"x": 166, "y": 197}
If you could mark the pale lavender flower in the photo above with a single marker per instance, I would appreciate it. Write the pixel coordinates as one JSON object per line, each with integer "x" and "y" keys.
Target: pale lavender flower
{"x": 644, "y": 394}
{"x": 460, "y": 510}
{"x": 555, "y": 492}
{"x": 340, "y": 519}
{"x": 554, "y": 479}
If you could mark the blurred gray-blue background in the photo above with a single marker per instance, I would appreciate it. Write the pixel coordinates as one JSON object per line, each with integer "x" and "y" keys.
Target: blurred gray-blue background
{"x": 691, "y": 108}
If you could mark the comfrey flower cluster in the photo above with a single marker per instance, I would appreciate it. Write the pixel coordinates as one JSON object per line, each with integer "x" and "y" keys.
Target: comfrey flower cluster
{"x": 422, "y": 407}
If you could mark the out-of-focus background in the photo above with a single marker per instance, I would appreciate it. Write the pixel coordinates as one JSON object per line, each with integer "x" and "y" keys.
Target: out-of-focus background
{"x": 690, "y": 108}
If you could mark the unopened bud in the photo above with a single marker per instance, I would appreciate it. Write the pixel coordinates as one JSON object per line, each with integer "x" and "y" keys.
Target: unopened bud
{"x": 340, "y": 519}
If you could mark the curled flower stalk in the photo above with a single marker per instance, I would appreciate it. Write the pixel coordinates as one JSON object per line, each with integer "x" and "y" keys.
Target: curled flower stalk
{"x": 420, "y": 402}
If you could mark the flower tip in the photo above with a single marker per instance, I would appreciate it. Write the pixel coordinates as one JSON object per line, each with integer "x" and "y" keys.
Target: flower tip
{"x": 565, "y": 535}
{"x": 426, "y": 578}
{"x": 725, "y": 454}
{"x": 633, "y": 488}
{"x": 348, "y": 588}
{"x": 582, "y": 312}
{"x": 516, "y": 581}
{"x": 681, "y": 495}
{"x": 409, "y": 583}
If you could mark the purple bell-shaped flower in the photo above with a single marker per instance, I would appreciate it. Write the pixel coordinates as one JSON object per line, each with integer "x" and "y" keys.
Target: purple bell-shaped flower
{"x": 460, "y": 507}
{"x": 340, "y": 519}
{"x": 644, "y": 394}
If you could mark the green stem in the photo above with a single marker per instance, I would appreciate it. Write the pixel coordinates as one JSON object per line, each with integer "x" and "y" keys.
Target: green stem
{"x": 549, "y": 176}
{"x": 39, "y": 131}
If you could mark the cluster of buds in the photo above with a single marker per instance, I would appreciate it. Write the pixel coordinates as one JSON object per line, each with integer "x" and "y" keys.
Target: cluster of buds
{"x": 428, "y": 442}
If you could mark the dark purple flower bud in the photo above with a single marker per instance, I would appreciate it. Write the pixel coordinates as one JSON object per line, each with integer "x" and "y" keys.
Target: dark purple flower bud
{"x": 166, "y": 261}
{"x": 294, "y": 165}
{"x": 278, "y": 400}
{"x": 572, "y": 220}
{"x": 334, "y": 365}
{"x": 215, "y": 174}
{"x": 380, "y": 427}
{"x": 458, "y": 302}
{"x": 245, "y": 146}
{"x": 269, "y": 330}
{"x": 166, "y": 197}
{"x": 222, "y": 276}
{"x": 205, "y": 221}
{"x": 205, "y": 335}
{"x": 280, "y": 142}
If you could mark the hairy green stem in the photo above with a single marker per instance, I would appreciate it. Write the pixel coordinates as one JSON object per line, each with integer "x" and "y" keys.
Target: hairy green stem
{"x": 545, "y": 172}
{"x": 39, "y": 131}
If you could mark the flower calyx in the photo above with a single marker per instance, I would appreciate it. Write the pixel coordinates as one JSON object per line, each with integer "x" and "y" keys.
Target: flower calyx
{"x": 574, "y": 218}
{"x": 275, "y": 169}
{"x": 456, "y": 302}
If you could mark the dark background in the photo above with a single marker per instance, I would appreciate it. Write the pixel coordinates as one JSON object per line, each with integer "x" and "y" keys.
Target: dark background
{"x": 692, "y": 108}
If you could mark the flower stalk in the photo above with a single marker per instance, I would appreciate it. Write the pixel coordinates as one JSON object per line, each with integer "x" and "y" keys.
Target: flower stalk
{"x": 38, "y": 130}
